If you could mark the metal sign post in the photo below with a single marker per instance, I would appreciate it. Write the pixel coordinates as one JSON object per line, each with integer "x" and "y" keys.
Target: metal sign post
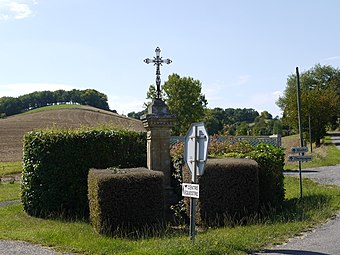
{"x": 192, "y": 232}
{"x": 300, "y": 124}
{"x": 195, "y": 155}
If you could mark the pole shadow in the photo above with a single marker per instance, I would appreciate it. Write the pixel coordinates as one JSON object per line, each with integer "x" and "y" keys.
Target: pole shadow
{"x": 292, "y": 252}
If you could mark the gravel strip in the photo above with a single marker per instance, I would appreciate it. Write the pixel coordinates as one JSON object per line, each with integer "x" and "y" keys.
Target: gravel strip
{"x": 23, "y": 248}
{"x": 326, "y": 174}
{"x": 13, "y": 202}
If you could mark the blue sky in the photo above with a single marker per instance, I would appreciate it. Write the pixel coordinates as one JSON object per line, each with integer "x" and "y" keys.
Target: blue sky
{"x": 242, "y": 51}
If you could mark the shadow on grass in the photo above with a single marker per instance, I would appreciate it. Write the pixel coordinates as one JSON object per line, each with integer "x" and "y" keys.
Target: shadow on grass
{"x": 297, "y": 210}
{"x": 293, "y": 210}
{"x": 292, "y": 252}
{"x": 297, "y": 171}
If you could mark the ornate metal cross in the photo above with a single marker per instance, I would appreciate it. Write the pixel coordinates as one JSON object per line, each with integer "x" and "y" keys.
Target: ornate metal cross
{"x": 158, "y": 61}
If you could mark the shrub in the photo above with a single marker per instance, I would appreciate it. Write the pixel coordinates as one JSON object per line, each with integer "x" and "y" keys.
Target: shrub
{"x": 269, "y": 158}
{"x": 271, "y": 178}
{"x": 56, "y": 165}
{"x": 126, "y": 200}
{"x": 220, "y": 147}
{"x": 229, "y": 189}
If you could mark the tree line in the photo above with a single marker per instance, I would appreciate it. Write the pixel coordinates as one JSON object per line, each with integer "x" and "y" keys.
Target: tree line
{"x": 184, "y": 98}
{"x": 15, "y": 105}
{"x": 320, "y": 107}
{"x": 241, "y": 122}
{"x": 320, "y": 101}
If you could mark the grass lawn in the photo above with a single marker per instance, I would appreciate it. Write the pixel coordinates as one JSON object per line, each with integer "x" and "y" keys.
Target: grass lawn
{"x": 9, "y": 191}
{"x": 53, "y": 107}
{"x": 7, "y": 168}
{"x": 320, "y": 202}
{"x": 326, "y": 155}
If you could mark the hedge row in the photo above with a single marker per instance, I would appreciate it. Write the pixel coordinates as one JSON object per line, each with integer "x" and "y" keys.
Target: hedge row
{"x": 126, "y": 200}
{"x": 269, "y": 158}
{"x": 271, "y": 178}
{"x": 56, "y": 165}
{"x": 229, "y": 190}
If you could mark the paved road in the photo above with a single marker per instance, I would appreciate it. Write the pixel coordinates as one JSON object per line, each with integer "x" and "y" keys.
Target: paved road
{"x": 324, "y": 240}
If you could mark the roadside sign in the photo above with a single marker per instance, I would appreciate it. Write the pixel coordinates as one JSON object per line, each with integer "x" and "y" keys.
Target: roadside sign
{"x": 299, "y": 158}
{"x": 196, "y": 148}
{"x": 190, "y": 190}
{"x": 195, "y": 156}
{"x": 299, "y": 149}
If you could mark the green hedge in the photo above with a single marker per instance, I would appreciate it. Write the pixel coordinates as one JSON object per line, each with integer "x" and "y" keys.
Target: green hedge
{"x": 229, "y": 190}
{"x": 56, "y": 165}
{"x": 271, "y": 178}
{"x": 125, "y": 201}
{"x": 269, "y": 158}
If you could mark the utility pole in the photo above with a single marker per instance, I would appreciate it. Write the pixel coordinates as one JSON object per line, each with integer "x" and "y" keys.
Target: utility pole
{"x": 300, "y": 123}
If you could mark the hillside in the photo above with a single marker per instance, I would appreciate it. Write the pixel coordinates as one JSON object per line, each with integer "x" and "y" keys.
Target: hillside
{"x": 12, "y": 129}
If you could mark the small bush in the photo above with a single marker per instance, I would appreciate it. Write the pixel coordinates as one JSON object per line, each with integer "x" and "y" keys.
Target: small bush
{"x": 125, "y": 201}
{"x": 56, "y": 165}
{"x": 269, "y": 158}
{"x": 271, "y": 178}
{"x": 229, "y": 189}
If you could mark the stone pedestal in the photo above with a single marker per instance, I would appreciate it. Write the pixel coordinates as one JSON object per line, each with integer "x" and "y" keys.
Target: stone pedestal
{"x": 158, "y": 123}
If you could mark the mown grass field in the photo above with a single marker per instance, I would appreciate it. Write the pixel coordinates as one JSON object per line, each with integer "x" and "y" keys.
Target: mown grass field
{"x": 274, "y": 227}
{"x": 12, "y": 129}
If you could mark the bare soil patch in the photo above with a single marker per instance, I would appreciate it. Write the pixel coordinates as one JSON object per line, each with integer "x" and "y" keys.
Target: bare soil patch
{"x": 13, "y": 129}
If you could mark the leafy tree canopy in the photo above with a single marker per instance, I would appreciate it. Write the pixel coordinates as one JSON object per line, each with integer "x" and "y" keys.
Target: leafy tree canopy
{"x": 12, "y": 105}
{"x": 320, "y": 100}
{"x": 184, "y": 98}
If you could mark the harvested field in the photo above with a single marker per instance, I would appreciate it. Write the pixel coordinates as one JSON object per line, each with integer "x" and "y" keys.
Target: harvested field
{"x": 12, "y": 129}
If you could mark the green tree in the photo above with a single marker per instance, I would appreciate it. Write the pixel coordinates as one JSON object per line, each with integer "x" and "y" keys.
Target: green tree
{"x": 94, "y": 98}
{"x": 266, "y": 115}
{"x": 214, "y": 120}
{"x": 242, "y": 129}
{"x": 184, "y": 98}
{"x": 277, "y": 127}
{"x": 136, "y": 115}
{"x": 260, "y": 127}
{"x": 319, "y": 100}
{"x": 10, "y": 106}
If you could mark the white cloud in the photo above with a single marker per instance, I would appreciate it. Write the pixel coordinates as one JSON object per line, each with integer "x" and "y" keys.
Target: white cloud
{"x": 16, "y": 9}
{"x": 15, "y": 90}
{"x": 330, "y": 59}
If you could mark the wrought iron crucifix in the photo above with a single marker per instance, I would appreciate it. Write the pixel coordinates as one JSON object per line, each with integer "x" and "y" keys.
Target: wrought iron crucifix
{"x": 158, "y": 61}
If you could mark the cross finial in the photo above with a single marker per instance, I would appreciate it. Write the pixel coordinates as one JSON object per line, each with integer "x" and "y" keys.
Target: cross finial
{"x": 158, "y": 61}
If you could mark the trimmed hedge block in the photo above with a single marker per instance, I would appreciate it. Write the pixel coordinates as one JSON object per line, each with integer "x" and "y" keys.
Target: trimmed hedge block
{"x": 57, "y": 162}
{"x": 125, "y": 200}
{"x": 229, "y": 190}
